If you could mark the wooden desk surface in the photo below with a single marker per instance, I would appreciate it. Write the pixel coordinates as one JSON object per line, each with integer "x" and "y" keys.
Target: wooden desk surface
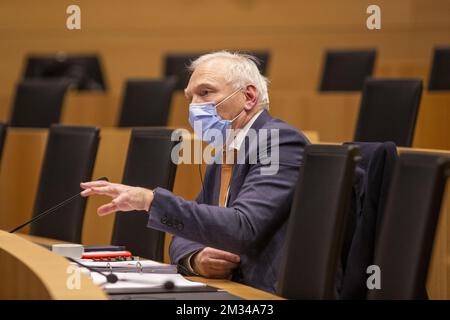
{"x": 237, "y": 289}
{"x": 234, "y": 288}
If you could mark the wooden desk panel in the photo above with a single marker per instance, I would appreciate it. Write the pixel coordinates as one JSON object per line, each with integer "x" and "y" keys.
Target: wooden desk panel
{"x": 19, "y": 173}
{"x": 32, "y": 272}
{"x": 433, "y": 122}
{"x": 91, "y": 109}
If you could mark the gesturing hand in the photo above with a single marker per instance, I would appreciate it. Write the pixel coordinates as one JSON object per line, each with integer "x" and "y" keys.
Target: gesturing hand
{"x": 125, "y": 198}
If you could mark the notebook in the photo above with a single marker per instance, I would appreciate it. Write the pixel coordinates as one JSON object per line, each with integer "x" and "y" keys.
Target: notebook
{"x": 143, "y": 266}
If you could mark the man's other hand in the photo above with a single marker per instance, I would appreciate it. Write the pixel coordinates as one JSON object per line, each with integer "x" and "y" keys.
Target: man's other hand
{"x": 214, "y": 263}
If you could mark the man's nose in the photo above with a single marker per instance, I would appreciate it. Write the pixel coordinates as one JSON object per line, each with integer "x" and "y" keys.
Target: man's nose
{"x": 197, "y": 99}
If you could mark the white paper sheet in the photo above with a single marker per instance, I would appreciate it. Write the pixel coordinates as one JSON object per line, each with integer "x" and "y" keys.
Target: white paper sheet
{"x": 140, "y": 282}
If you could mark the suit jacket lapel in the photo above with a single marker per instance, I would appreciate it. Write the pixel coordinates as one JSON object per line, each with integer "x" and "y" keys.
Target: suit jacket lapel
{"x": 240, "y": 170}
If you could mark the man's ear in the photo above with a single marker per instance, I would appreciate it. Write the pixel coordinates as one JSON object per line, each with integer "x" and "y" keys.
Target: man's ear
{"x": 251, "y": 97}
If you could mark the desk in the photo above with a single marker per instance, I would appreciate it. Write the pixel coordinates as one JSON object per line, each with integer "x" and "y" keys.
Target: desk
{"x": 32, "y": 272}
{"x": 234, "y": 288}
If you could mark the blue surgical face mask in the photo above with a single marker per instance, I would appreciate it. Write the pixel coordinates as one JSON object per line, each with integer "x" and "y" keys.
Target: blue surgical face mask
{"x": 206, "y": 115}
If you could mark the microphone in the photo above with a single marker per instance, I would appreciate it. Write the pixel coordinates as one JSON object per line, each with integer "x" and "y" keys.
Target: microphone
{"x": 53, "y": 209}
{"x": 169, "y": 285}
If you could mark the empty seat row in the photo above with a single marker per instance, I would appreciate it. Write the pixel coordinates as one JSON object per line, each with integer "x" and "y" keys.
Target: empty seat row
{"x": 38, "y": 103}
{"x": 388, "y": 110}
{"x": 343, "y": 70}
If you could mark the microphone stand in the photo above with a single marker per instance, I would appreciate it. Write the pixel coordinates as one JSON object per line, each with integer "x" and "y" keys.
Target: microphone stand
{"x": 53, "y": 209}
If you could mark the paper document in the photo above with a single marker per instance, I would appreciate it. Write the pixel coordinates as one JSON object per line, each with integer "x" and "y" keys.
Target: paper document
{"x": 142, "y": 282}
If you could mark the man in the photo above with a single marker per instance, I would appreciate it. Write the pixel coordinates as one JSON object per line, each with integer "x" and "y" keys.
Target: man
{"x": 236, "y": 226}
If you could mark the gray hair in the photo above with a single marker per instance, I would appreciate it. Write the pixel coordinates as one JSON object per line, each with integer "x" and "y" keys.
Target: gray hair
{"x": 243, "y": 71}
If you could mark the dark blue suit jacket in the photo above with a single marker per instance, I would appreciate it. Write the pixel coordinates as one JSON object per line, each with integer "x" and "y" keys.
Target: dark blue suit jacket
{"x": 254, "y": 223}
{"x": 377, "y": 162}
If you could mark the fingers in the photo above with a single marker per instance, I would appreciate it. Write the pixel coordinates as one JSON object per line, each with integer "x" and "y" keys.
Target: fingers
{"x": 222, "y": 265}
{"x": 118, "y": 204}
{"x": 125, "y": 198}
{"x": 106, "y": 209}
{"x": 91, "y": 184}
{"x": 105, "y": 191}
{"x": 216, "y": 268}
{"x": 86, "y": 193}
{"x": 223, "y": 255}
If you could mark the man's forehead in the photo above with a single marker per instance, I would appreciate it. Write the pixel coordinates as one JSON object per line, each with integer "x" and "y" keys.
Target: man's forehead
{"x": 213, "y": 70}
{"x": 207, "y": 73}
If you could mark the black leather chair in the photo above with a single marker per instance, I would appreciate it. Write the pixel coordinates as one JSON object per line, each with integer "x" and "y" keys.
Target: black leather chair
{"x": 440, "y": 70}
{"x": 146, "y": 103}
{"x": 388, "y": 111}
{"x": 317, "y": 223}
{"x": 69, "y": 159}
{"x": 175, "y": 64}
{"x": 83, "y": 72}
{"x": 406, "y": 237}
{"x": 148, "y": 165}
{"x": 3, "y": 127}
{"x": 346, "y": 70}
{"x": 38, "y": 103}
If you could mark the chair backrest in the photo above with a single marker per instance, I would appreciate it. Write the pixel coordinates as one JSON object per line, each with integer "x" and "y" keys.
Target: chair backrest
{"x": 38, "y": 103}
{"x": 317, "y": 223}
{"x": 146, "y": 103}
{"x": 148, "y": 165}
{"x": 388, "y": 111}
{"x": 83, "y": 72}
{"x": 346, "y": 70}
{"x": 406, "y": 237}
{"x": 3, "y": 127}
{"x": 440, "y": 70}
{"x": 176, "y": 65}
{"x": 69, "y": 159}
